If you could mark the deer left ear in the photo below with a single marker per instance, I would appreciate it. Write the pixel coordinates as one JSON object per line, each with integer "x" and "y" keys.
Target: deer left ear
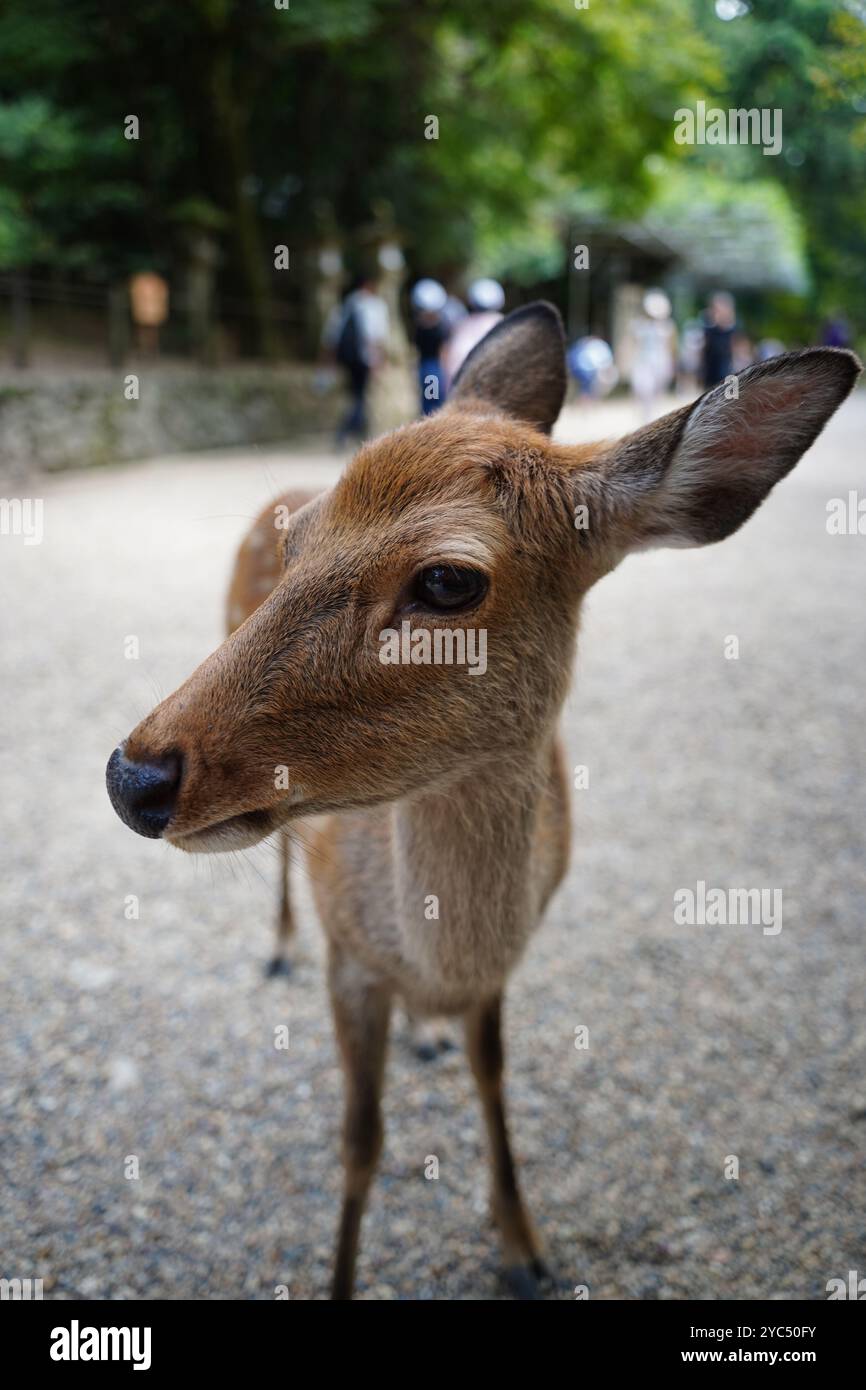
{"x": 696, "y": 475}
{"x": 518, "y": 367}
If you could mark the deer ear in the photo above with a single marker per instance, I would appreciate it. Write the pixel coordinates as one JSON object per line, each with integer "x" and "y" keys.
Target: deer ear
{"x": 518, "y": 367}
{"x": 696, "y": 475}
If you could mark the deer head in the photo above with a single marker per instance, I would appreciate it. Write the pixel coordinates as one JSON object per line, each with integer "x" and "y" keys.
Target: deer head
{"x": 465, "y": 520}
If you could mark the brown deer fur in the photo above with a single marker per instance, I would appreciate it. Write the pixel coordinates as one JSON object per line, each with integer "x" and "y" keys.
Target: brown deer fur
{"x": 257, "y": 569}
{"x": 434, "y": 781}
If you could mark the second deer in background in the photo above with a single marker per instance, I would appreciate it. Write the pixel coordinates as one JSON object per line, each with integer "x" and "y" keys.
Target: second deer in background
{"x": 257, "y": 571}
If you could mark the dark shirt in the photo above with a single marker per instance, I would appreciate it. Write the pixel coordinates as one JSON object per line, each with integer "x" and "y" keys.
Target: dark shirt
{"x": 718, "y": 353}
{"x": 429, "y": 338}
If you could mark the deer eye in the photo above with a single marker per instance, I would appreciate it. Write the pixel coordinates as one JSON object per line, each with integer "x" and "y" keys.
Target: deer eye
{"x": 448, "y": 587}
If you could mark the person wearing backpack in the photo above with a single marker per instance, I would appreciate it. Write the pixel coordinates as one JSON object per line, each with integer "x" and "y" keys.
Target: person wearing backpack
{"x": 356, "y": 334}
{"x": 430, "y": 332}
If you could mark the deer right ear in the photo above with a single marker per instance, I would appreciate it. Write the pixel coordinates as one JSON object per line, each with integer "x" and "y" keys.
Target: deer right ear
{"x": 694, "y": 476}
{"x": 518, "y": 367}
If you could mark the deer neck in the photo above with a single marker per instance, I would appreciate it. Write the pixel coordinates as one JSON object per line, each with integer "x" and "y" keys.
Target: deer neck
{"x": 462, "y": 877}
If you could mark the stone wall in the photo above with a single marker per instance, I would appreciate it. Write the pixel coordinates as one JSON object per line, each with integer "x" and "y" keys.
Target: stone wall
{"x": 56, "y": 421}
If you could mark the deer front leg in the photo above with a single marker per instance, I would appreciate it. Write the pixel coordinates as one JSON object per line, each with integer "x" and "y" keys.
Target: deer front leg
{"x": 280, "y": 963}
{"x": 523, "y": 1264}
{"x": 362, "y": 1008}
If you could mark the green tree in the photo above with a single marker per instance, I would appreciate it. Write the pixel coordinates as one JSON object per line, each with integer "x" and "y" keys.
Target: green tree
{"x": 281, "y": 122}
{"x": 808, "y": 59}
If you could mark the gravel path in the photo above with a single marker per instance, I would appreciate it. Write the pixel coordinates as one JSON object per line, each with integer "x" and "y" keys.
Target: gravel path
{"x": 154, "y": 1038}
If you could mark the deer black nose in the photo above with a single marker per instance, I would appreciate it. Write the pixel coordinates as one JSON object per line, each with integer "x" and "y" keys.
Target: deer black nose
{"x": 144, "y": 794}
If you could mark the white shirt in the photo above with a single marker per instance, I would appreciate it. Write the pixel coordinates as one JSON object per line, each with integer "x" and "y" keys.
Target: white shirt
{"x": 371, "y": 313}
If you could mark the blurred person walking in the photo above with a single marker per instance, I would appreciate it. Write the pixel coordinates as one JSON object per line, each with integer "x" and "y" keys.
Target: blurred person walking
{"x": 486, "y": 300}
{"x": 590, "y": 361}
{"x": 690, "y": 367}
{"x": 432, "y": 329}
{"x": 720, "y": 326}
{"x": 652, "y": 350}
{"x": 836, "y": 332}
{"x": 356, "y": 334}
{"x": 767, "y": 348}
{"x": 455, "y": 310}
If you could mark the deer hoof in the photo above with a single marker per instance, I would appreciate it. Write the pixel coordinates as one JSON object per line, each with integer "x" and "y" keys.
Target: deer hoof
{"x": 529, "y": 1281}
{"x": 429, "y": 1048}
{"x": 523, "y": 1282}
{"x": 278, "y": 966}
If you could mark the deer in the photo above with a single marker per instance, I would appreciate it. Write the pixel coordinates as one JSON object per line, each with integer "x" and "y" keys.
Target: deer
{"x": 419, "y": 779}
{"x": 256, "y": 572}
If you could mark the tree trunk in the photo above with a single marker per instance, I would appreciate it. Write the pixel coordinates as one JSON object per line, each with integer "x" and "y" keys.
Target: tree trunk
{"x": 20, "y": 320}
{"x": 253, "y": 258}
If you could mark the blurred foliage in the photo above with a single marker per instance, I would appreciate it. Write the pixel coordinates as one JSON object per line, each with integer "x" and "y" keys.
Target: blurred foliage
{"x": 808, "y": 58}
{"x": 262, "y": 125}
{"x": 738, "y": 233}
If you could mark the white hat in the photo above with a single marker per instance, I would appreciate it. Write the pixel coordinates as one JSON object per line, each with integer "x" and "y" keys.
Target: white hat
{"x": 656, "y": 304}
{"x": 428, "y": 296}
{"x": 486, "y": 295}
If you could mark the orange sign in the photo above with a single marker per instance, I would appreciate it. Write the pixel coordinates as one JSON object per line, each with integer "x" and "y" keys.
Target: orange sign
{"x": 148, "y": 294}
